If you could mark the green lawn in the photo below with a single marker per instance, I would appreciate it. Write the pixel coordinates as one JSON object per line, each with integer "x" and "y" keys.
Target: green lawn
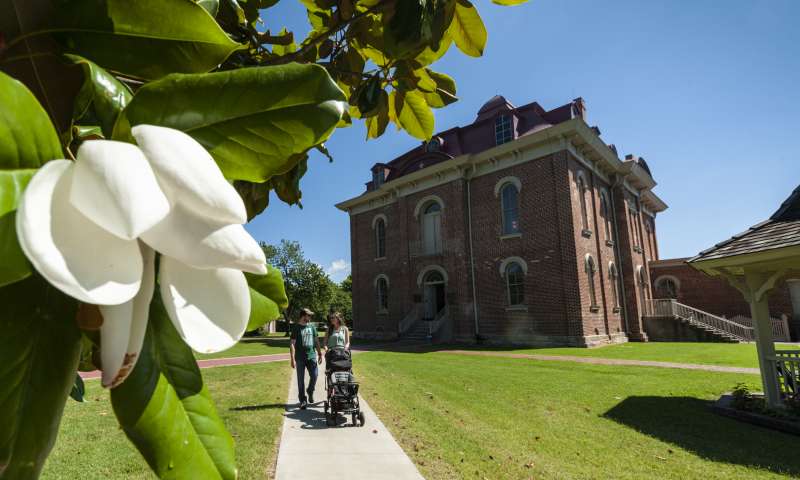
{"x": 729, "y": 354}
{"x": 488, "y": 417}
{"x": 252, "y": 346}
{"x": 250, "y": 399}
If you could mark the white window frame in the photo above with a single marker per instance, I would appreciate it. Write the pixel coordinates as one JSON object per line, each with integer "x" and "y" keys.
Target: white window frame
{"x": 503, "y": 129}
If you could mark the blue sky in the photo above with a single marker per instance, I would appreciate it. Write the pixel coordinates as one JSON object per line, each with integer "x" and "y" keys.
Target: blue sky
{"x": 705, "y": 91}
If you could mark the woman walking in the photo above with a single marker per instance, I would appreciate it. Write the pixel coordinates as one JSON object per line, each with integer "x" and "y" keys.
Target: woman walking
{"x": 337, "y": 336}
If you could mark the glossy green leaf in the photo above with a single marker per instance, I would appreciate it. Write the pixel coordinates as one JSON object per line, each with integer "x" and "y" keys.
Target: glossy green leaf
{"x": 78, "y": 389}
{"x": 254, "y": 195}
{"x": 166, "y": 411}
{"x": 262, "y": 310}
{"x": 414, "y": 115}
{"x": 39, "y": 350}
{"x": 287, "y": 185}
{"x": 377, "y": 123}
{"x": 255, "y": 122}
{"x": 467, "y": 29}
{"x": 102, "y": 97}
{"x": 444, "y": 91}
{"x": 27, "y": 141}
{"x": 210, "y": 6}
{"x": 14, "y": 266}
{"x": 270, "y": 285}
{"x": 27, "y": 137}
{"x": 145, "y": 38}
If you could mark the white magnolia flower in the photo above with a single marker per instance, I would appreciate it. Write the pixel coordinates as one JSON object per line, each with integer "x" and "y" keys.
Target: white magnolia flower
{"x": 92, "y": 227}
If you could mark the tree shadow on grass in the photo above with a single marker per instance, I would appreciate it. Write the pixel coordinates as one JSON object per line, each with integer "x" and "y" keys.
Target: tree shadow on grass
{"x": 690, "y": 424}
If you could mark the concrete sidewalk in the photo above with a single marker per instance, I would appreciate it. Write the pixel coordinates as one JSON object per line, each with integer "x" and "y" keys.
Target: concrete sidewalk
{"x": 309, "y": 449}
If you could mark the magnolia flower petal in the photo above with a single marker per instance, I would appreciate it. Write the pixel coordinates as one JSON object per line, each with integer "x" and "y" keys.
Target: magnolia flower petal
{"x": 189, "y": 175}
{"x": 124, "y": 327}
{"x": 201, "y": 243}
{"x": 69, "y": 250}
{"x": 114, "y": 186}
{"x": 209, "y": 308}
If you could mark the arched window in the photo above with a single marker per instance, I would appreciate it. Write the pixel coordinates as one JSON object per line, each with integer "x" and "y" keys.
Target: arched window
{"x": 667, "y": 287}
{"x": 515, "y": 284}
{"x": 509, "y": 201}
{"x": 502, "y": 130}
{"x": 382, "y": 293}
{"x": 380, "y": 238}
{"x": 582, "y": 191}
{"x": 591, "y": 271}
{"x": 613, "y": 278}
{"x": 432, "y": 228}
{"x": 605, "y": 211}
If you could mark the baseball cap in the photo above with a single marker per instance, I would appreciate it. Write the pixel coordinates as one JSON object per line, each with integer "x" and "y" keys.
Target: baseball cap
{"x": 307, "y": 312}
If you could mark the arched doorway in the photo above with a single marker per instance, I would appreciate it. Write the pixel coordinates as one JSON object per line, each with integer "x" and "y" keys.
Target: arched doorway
{"x": 433, "y": 294}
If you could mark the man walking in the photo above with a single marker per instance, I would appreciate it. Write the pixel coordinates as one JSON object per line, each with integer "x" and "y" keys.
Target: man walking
{"x": 302, "y": 345}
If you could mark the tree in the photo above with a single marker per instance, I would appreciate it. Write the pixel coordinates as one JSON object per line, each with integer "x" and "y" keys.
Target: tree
{"x": 347, "y": 284}
{"x": 306, "y": 283}
{"x": 206, "y": 84}
{"x": 342, "y": 302}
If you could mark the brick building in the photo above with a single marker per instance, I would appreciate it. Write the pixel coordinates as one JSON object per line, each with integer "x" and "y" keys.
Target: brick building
{"x": 524, "y": 227}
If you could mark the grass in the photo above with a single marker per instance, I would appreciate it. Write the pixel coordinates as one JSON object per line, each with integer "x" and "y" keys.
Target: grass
{"x": 249, "y": 398}
{"x": 251, "y": 346}
{"x": 485, "y": 417}
{"x": 726, "y": 354}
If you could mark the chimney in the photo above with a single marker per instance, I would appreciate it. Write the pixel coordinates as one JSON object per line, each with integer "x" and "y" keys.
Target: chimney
{"x": 579, "y": 108}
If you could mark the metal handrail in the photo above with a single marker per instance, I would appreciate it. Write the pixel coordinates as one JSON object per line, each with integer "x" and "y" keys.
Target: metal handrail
{"x": 671, "y": 308}
{"x": 435, "y": 324}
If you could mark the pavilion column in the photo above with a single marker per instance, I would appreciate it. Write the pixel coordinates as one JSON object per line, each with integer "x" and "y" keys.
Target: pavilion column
{"x": 762, "y": 325}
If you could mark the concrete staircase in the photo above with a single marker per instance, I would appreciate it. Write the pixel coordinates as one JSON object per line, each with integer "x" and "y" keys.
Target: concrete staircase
{"x": 417, "y": 333}
{"x": 688, "y": 323}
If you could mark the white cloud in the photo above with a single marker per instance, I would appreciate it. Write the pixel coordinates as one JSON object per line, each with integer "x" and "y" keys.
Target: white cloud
{"x": 338, "y": 269}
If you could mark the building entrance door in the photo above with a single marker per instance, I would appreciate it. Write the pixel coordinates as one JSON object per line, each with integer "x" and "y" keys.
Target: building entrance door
{"x": 433, "y": 295}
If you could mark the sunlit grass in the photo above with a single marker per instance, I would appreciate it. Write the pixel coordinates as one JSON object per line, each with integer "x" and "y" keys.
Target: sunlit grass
{"x": 250, "y": 399}
{"x": 462, "y": 416}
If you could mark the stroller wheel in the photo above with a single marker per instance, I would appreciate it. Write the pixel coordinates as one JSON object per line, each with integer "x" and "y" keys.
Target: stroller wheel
{"x": 355, "y": 422}
{"x": 325, "y": 405}
{"x": 361, "y": 419}
{"x": 330, "y": 419}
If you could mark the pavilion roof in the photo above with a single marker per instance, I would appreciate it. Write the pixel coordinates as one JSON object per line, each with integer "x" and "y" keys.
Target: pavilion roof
{"x": 781, "y": 230}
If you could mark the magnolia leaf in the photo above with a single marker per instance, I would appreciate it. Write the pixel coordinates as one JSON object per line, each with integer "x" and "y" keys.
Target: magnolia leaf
{"x": 287, "y": 185}
{"x": 166, "y": 411}
{"x": 210, "y": 6}
{"x": 256, "y": 122}
{"x": 102, "y": 97}
{"x": 444, "y": 92}
{"x": 36, "y": 60}
{"x": 467, "y": 29}
{"x": 377, "y": 123}
{"x": 254, "y": 195}
{"x": 39, "y": 350}
{"x": 14, "y": 266}
{"x": 27, "y": 141}
{"x": 78, "y": 389}
{"x": 262, "y": 310}
{"x": 146, "y": 38}
{"x": 270, "y": 285}
{"x": 414, "y": 114}
{"x": 27, "y": 137}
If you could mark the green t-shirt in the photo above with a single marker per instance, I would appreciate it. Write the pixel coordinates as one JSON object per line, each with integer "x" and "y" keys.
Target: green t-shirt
{"x": 305, "y": 344}
{"x": 336, "y": 338}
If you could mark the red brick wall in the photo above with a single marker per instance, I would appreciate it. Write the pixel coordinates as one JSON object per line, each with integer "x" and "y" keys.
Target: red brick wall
{"x": 713, "y": 294}
{"x": 551, "y": 243}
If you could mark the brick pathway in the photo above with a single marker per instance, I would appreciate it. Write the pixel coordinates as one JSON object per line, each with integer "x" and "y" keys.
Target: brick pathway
{"x": 608, "y": 361}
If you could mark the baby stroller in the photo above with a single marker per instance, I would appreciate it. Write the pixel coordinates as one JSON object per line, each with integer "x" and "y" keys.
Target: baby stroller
{"x": 341, "y": 387}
